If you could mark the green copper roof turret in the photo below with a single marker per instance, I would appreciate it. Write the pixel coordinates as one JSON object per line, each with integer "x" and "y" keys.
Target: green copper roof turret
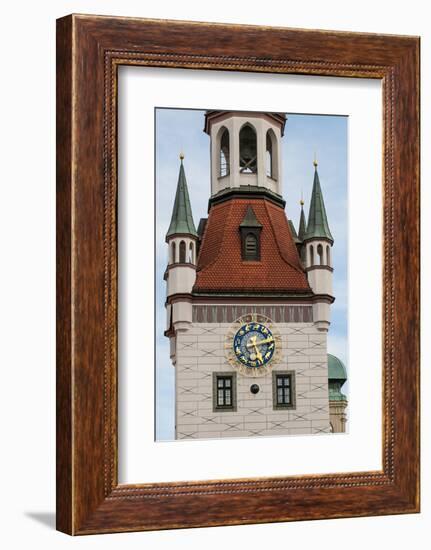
{"x": 337, "y": 376}
{"x": 336, "y": 368}
{"x": 302, "y": 226}
{"x": 317, "y": 226}
{"x": 182, "y": 218}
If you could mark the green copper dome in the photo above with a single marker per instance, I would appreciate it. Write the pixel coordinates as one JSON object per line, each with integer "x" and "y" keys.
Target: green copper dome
{"x": 336, "y": 368}
{"x": 337, "y": 376}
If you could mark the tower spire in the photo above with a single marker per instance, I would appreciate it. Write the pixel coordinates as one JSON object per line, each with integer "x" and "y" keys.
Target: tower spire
{"x": 302, "y": 224}
{"x": 182, "y": 217}
{"x": 317, "y": 225}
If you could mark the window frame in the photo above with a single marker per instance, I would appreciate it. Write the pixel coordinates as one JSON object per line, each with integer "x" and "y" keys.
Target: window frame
{"x": 283, "y": 406}
{"x": 224, "y": 408}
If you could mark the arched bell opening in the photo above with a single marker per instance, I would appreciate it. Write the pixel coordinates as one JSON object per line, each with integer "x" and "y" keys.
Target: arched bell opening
{"x": 224, "y": 159}
{"x": 248, "y": 150}
{"x": 182, "y": 252}
{"x": 271, "y": 155}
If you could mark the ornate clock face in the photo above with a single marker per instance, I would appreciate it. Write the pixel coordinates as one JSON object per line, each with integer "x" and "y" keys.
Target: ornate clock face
{"x": 253, "y": 345}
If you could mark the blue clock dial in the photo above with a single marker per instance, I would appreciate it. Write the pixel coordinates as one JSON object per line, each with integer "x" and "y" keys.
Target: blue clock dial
{"x": 254, "y": 345}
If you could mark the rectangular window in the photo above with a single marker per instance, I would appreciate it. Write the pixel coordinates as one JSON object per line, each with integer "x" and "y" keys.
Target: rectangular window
{"x": 283, "y": 390}
{"x": 224, "y": 391}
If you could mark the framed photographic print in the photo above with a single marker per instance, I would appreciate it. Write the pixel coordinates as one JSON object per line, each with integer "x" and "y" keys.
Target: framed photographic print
{"x": 238, "y": 274}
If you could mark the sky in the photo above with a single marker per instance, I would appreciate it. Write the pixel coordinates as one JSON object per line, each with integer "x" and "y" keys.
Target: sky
{"x": 306, "y": 137}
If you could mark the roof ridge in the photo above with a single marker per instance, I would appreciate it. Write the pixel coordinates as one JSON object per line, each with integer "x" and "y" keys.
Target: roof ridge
{"x": 278, "y": 245}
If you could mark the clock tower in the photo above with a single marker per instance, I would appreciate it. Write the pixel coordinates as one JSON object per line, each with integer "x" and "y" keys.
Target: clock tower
{"x": 248, "y": 298}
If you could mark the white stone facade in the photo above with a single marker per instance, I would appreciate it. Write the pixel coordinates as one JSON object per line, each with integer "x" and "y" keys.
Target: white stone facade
{"x": 200, "y": 351}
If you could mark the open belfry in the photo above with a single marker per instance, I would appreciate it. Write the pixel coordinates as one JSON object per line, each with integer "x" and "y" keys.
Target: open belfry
{"x": 249, "y": 297}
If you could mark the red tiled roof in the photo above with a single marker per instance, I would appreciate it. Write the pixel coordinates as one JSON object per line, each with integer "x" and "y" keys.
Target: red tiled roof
{"x": 220, "y": 266}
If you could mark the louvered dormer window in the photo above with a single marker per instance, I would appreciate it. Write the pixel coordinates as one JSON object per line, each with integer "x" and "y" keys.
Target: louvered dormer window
{"x": 251, "y": 247}
{"x": 250, "y": 229}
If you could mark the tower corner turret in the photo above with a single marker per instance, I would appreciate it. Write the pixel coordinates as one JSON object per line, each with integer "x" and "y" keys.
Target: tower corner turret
{"x": 316, "y": 254}
{"x": 180, "y": 275}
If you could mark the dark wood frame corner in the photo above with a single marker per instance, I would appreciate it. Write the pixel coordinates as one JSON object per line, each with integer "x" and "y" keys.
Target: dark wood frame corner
{"x": 89, "y": 51}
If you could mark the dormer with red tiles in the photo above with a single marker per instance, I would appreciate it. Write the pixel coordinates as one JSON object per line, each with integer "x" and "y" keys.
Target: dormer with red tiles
{"x": 222, "y": 268}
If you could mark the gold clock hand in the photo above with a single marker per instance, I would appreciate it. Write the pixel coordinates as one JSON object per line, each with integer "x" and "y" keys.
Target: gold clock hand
{"x": 251, "y": 342}
{"x": 259, "y": 342}
{"x": 258, "y": 354}
{"x": 266, "y": 341}
{"x": 254, "y": 344}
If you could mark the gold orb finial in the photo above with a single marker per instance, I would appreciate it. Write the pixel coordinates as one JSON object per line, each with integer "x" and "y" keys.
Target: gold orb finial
{"x": 181, "y": 156}
{"x": 315, "y": 160}
{"x": 301, "y": 202}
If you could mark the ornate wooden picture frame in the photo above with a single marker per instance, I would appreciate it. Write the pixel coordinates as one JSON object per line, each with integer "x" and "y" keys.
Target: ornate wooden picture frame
{"x": 89, "y": 51}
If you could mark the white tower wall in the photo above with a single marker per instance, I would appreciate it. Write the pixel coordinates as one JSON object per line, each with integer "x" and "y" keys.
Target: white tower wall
{"x": 180, "y": 278}
{"x": 200, "y": 352}
{"x": 320, "y": 275}
{"x": 320, "y": 279}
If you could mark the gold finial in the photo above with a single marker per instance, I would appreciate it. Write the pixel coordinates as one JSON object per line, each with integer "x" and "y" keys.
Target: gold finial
{"x": 181, "y": 156}
{"x": 301, "y": 202}
{"x": 315, "y": 160}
